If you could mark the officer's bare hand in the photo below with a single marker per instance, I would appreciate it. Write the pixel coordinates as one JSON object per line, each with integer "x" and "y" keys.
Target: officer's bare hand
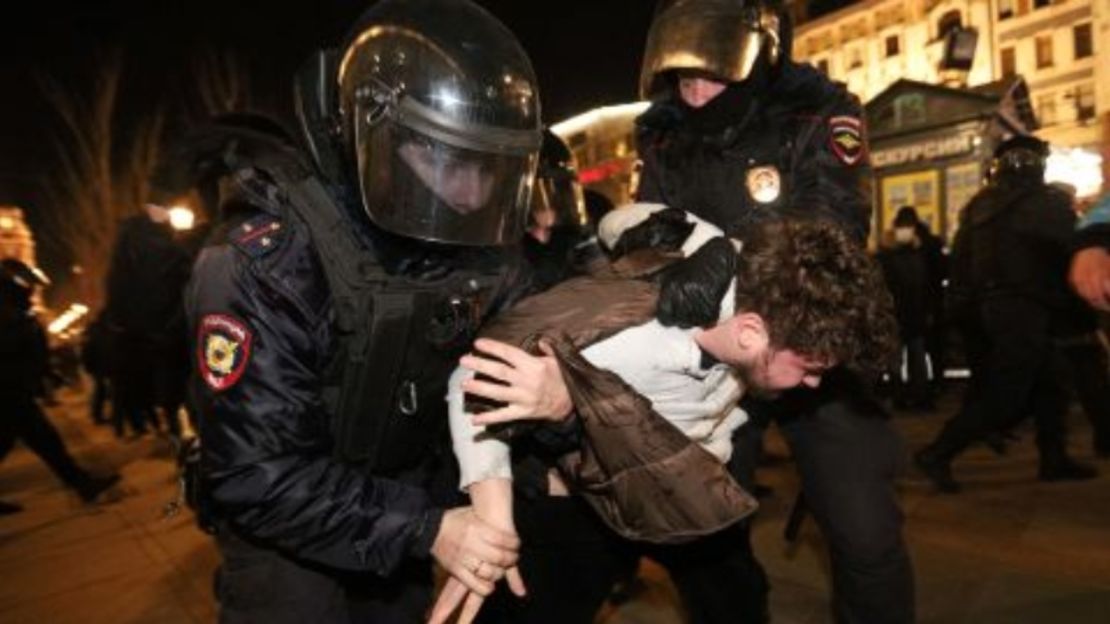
{"x": 531, "y": 386}
{"x": 455, "y": 592}
{"x": 1090, "y": 276}
{"x": 472, "y": 551}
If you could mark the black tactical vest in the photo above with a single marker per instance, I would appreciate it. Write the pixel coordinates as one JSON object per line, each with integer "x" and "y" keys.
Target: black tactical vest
{"x": 398, "y": 337}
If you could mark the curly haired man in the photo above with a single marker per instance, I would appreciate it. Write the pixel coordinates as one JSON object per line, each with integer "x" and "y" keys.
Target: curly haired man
{"x": 798, "y": 300}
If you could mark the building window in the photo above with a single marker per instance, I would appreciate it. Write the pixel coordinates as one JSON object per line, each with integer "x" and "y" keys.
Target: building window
{"x": 1009, "y": 62}
{"x": 855, "y": 59}
{"x": 947, "y": 23}
{"x": 1046, "y": 109}
{"x": 1085, "y": 102}
{"x": 1040, "y": 4}
{"x": 1005, "y": 9}
{"x": 1044, "y": 51}
{"x": 1023, "y": 7}
{"x": 1081, "y": 34}
{"x": 893, "y": 46}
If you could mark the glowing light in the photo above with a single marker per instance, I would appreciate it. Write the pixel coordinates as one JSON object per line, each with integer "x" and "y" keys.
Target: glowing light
{"x": 6, "y": 223}
{"x": 1077, "y": 166}
{"x": 66, "y": 319}
{"x": 181, "y": 218}
{"x": 580, "y": 122}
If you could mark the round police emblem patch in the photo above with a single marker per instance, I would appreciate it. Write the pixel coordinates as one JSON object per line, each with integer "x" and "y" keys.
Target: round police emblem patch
{"x": 764, "y": 184}
{"x": 223, "y": 349}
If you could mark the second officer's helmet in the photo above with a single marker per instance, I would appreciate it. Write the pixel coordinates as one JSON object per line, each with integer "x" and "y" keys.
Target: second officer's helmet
{"x": 18, "y": 281}
{"x": 558, "y": 199}
{"x": 722, "y": 38}
{"x": 441, "y": 120}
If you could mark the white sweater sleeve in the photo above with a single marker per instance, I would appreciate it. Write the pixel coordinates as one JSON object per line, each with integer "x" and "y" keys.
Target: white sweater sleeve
{"x": 480, "y": 456}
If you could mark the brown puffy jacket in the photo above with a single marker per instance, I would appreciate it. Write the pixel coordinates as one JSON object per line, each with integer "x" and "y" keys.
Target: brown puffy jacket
{"x": 645, "y": 478}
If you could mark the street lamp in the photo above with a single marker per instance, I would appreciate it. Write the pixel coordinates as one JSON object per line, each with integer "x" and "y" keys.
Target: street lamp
{"x": 181, "y": 218}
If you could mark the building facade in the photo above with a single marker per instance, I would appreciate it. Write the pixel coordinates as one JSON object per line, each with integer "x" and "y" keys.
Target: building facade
{"x": 1060, "y": 47}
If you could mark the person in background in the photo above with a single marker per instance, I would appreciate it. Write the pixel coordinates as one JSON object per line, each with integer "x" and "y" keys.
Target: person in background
{"x": 559, "y": 242}
{"x": 906, "y": 267}
{"x": 96, "y": 359}
{"x": 23, "y": 364}
{"x": 146, "y": 278}
{"x": 1008, "y": 292}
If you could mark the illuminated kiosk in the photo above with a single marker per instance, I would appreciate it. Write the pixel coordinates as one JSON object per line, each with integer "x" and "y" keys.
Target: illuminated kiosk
{"x": 931, "y": 145}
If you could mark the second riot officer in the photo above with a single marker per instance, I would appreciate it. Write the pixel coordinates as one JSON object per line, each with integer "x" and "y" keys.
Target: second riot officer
{"x": 739, "y": 133}
{"x": 327, "y": 315}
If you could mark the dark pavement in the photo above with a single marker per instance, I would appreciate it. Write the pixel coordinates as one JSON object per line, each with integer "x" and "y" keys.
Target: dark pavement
{"x": 1009, "y": 549}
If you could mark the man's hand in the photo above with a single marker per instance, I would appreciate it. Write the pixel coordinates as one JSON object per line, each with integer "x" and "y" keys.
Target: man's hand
{"x": 531, "y": 386}
{"x": 1090, "y": 276}
{"x": 472, "y": 551}
{"x": 495, "y": 496}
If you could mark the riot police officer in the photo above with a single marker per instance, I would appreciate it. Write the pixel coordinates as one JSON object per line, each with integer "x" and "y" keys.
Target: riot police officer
{"x": 739, "y": 133}
{"x": 560, "y": 241}
{"x": 23, "y": 368}
{"x": 1009, "y": 296}
{"x": 340, "y": 294}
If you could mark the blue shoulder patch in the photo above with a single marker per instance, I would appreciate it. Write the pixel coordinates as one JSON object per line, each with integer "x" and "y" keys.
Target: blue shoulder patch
{"x": 258, "y": 236}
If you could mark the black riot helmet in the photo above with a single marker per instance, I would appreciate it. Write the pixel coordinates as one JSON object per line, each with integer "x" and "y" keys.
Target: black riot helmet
{"x": 721, "y": 38}
{"x": 18, "y": 281}
{"x": 557, "y": 200}
{"x": 1020, "y": 159}
{"x": 439, "y": 115}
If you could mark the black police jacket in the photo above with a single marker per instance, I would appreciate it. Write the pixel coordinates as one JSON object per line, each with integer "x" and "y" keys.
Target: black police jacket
{"x": 800, "y": 153}
{"x": 1014, "y": 241}
{"x": 265, "y": 341}
{"x": 24, "y": 354}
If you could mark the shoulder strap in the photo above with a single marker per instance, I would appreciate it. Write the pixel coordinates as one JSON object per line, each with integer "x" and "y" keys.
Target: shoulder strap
{"x": 373, "y": 325}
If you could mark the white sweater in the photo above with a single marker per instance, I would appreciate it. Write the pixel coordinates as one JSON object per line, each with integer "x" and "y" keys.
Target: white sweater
{"x": 661, "y": 363}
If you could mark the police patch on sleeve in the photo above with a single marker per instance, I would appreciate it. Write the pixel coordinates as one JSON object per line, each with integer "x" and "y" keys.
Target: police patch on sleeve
{"x": 846, "y": 139}
{"x": 223, "y": 349}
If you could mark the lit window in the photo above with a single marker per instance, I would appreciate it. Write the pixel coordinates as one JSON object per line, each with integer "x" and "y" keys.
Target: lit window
{"x": 1046, "y": 109}
{"x": 1044, "y": 51}
{"x": 1085, "y": 102}
{"x": 1081, "y": 34}
{"x": 1009, "y": 63}
{"x": 855, "y": 59}
{"x": 893, "y": 45}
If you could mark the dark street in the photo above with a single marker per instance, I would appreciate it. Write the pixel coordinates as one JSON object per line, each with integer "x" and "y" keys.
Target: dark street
{"x": 1009, "y": 549}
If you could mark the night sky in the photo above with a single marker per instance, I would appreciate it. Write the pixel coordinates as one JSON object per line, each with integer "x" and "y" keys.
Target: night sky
{"x": 586, "y": 54}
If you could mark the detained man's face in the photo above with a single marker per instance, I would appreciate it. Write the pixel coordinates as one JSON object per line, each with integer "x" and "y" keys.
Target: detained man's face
{"x": 464, "y": 184}
{"x": 698, "y": 89}
{"x": 775, "y": 371}
{"x": 744, "y": 343}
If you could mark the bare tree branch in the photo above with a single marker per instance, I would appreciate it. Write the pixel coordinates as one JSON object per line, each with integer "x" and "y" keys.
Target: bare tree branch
{"x": 102, "y": 170}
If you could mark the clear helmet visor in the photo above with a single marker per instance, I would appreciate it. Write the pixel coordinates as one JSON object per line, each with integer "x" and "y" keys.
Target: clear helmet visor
{"x": 560, "y": 196}
{"x": 418, "y": 186}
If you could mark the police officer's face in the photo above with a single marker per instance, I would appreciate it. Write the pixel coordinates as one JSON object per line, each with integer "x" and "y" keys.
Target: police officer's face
{"x": 464, "y": 184}
{"x": 698, "y": 89}
{"x": 542, "y": 222}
